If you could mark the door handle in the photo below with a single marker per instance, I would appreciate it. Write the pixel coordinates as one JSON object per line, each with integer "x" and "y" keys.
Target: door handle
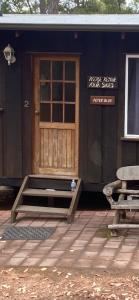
{"x": 37, "y": 112}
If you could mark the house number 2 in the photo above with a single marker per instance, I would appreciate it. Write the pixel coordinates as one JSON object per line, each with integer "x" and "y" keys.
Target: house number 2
{"x": 26, "y": 103}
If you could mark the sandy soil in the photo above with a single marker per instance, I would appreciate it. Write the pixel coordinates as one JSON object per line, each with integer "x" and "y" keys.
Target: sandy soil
{"x": 63, "y": 284}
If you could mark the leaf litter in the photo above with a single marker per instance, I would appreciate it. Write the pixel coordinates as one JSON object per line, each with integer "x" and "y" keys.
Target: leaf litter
{"x": 62, "y": 284}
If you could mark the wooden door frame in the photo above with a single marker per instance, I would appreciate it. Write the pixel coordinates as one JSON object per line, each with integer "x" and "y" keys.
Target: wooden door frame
{"x": 35, "y": 124}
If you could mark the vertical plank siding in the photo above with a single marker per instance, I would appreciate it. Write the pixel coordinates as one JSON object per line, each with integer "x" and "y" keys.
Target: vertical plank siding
{"x": 110, "y": 114}
{"x": 13, "y": 163}
{"x": 26, "y": 121}
{"x": 2, "y": 106}
{"x": 10, "y": 119}
{"x": 101, "y": 150}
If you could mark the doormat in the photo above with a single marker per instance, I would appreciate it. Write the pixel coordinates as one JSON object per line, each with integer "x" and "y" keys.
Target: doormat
{"x": 27, "y": 233}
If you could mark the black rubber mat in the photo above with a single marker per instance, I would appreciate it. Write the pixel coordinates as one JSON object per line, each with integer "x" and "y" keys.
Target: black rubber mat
{"x": 27, "y": 233}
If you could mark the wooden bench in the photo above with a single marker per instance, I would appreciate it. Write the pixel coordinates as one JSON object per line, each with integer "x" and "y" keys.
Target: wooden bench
{"x": 127, "y": 186}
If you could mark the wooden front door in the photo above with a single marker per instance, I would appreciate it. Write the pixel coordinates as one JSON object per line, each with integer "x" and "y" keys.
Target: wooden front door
{"x": 56, "y": 111}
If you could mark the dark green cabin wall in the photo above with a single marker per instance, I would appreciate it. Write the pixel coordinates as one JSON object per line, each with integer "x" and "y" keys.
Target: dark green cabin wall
{"x": 2, "y": 106}
{"x": 98, "y": 125}
{"x": 101, "y": 149}
{"x": 11, "y": 118}
{"x": 110, "y": 113}
{"x": 27, "y": 95}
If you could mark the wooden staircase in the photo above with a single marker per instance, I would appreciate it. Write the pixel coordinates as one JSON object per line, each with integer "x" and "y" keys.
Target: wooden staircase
{"x": 51, "y": 188}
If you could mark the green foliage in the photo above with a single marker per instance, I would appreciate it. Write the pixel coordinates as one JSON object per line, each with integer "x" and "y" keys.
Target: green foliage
{"x": 116, "y": 6}
{"x": 20, "y": 6}
{"x": 134, "y": 6}
{"x": 83, "y": 6}
{"x": 70, "y": 6}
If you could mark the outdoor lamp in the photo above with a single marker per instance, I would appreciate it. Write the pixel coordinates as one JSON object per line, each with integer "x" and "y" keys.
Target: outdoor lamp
{"x": 9, "y": 54}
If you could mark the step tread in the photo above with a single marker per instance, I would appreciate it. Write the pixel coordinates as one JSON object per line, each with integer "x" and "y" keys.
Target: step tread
{"x": 60, "y": 177}
{"x": 41, "y": 209}
{"x": 47, "y": 193}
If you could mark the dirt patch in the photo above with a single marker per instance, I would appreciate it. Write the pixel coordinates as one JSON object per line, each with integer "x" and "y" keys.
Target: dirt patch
{"x": 63, "y": 284}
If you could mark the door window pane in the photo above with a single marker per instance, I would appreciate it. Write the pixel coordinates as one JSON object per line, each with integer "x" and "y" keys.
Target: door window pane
{"x": 57, "y": 87}
{"x": 45, "y": 112}
{"x": 45, "y": 92}
{"x": 57, "y": 73}
{"x": 57, "y": 115}
{"x": 70, "y": 70}
{"x": 57, "y": 91}
{"x": 69, "y": 92}
{"x": 45, "y": 70}
{"x": 69, "y": 113}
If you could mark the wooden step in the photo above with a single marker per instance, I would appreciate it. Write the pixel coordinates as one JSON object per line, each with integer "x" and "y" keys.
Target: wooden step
{"x": 26, "y": 190}
{"x": 47, "y": 193}
{"x": 126, "y": 204}
{"x": 60, "y": 177}
{"x": 42, "y": 209}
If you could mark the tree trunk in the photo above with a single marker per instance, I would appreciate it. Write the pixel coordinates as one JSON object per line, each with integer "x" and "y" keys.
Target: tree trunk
{"x": 121, "y": 4}
{"x": 52, "y": 6}
{"x": 43, "y": 6}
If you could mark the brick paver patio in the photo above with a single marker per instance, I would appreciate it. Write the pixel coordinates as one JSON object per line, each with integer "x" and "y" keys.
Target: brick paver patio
{"x": 86, "y": 243}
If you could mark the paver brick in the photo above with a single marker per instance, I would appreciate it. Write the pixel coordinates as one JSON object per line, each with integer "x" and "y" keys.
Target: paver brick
{"x": 101, "y": 265}
{"x": 134, "y": 265}
{"x": 120, "y": 264}
{"x": 127, "y": 248}
{"x": 66, "y": 262}
{"x": 48, "y": 262}
{"x": 72, "y": 254}
{"x": 48, "y": 243}
{"x": 85, "y": 237}
{"x": 24, "y": 254}
{"x": 81, "y": 243}
{"x": 94, "y": 247}
{"x": 124, "y": 256}
{"x": 131, "y": 241}
{"x": 15, "y": 261}
{"x": 37, "y": 223}
{"x": 84, "y": 263}
{"x": 76, "y": 245}
{"x": 98, "y": 240}
{"x": 76, "y": 227}
{"x": 108, "y": 252}
{"x": 89, "y": 213}
{"x": 55, "y": 253}
{"x": 60, "y": 230}
{"x": 31, "y": 261}
{"x": 29, "y": 245}
{"x": 111, "y": 245}
{"x": 41, "y": 250}
{"x": 89, "y": 254}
